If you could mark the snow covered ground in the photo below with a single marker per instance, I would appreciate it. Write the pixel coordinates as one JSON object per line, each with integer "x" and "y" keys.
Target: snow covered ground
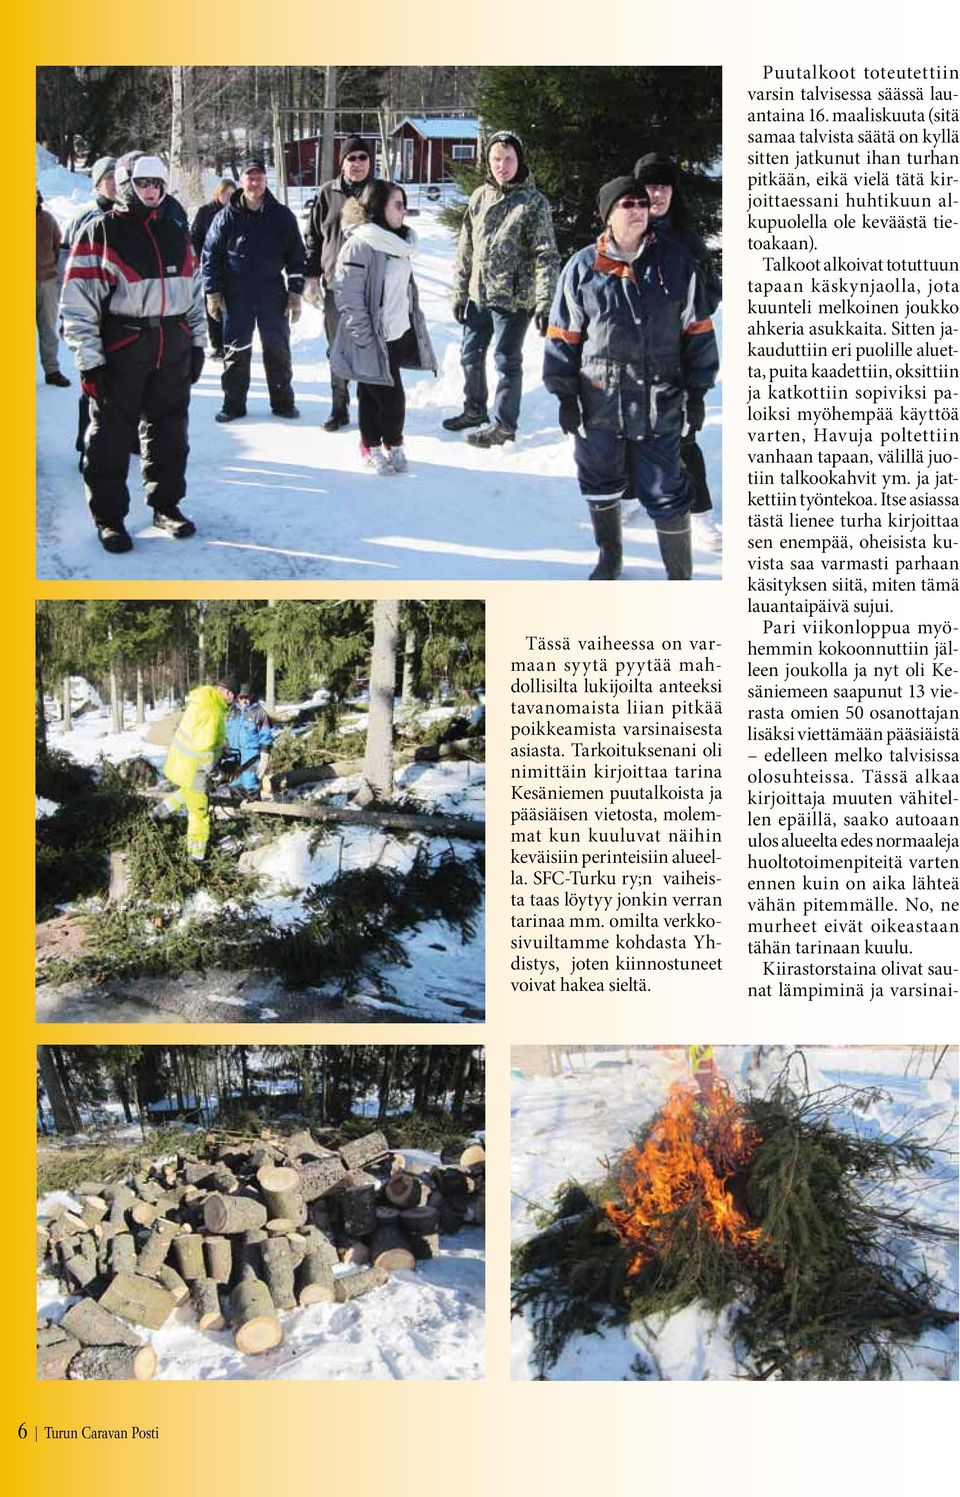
{"x": 427, "y": 1324}
{"x": 445, "y": 978}
{"x": 275, "y": 499}
{"x": 567, "y": 1127}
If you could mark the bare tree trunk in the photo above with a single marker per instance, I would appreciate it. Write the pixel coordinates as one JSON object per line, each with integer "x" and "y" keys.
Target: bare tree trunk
{"x": 329, "y": 123}
{"x": 201, "y": 645}
{"x": 280, "y": 174}
{"x": 383, "y": 120}
{"x": 66, "y": 716}
{"x": 377, "y": 779}
{"x": 271, "y": 688}
{"x": 116, "y": 705}
{"x": 141, "y": 703}
{"x": 386, "y": 1081}
{"x": 64, "y": 1111}
{"x": 460, "y": 1084}
{"x": 40, "y": 716}
{"x": 409, "y": 666}
{"x": 186, "y": 167}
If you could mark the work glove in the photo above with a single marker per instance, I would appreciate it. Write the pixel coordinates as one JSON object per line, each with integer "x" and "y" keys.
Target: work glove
{"x": 93, "y": 382}
{"x": 694, "y": 414}
{"x": 294, "y": 304}
{"x": 570, "y": 415}
{"x": 263, "y": 763}
{"x": 196, "y": 363}
{"x": 312, "y": 292}
{"x": 460, "y": 310}
{"x": 214, "y": 305}
{"x": 542, "y": 320}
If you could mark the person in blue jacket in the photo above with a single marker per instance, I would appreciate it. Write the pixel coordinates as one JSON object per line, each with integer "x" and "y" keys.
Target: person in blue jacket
{"x": 249, "y": 735}
{"x": 630, "y": 348}
{"x": 253, "y": 271}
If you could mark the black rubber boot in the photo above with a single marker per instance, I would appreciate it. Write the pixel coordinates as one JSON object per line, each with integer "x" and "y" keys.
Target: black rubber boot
{"x": 673, "y": 538}
{"x": 608, "y": 534}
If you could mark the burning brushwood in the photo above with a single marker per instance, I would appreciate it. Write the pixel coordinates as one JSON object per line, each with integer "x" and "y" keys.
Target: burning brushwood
{"x": 763, "y": 1202}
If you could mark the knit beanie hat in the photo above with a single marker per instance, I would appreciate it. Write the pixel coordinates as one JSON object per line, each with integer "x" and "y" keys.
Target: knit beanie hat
{"x": 655, "y": 168}
{"x": 232, "y": 684}
{"x": 101, "y": 166}
{"x": 611, "y": 193}
{"x": 509, "y": 138}
{"x": 354, "y": 145}
{"x": 253, "y": 163}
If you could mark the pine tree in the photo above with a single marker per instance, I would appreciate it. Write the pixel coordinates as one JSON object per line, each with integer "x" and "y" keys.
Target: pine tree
{"x": 582, "y": 126}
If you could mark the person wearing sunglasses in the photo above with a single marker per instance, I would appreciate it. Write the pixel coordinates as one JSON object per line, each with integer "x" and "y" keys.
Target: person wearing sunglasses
{"x": 324, "y": 240}
{"x": 133, "y": 316}
{"x": 253, "y": 267}
{"x": 381, "y": 329}
{"x": 629, "y": 345}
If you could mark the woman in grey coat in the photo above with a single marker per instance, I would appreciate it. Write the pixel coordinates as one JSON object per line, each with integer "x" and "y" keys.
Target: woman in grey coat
{"x": 381, "y": 328}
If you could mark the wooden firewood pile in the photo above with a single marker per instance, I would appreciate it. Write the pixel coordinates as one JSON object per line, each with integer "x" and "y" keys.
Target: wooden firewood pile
{"x": 253, "y": 1228}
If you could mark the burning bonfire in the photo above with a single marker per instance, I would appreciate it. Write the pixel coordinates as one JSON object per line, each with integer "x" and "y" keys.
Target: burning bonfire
{"x": 763, "y": 1205}
{"x": 681, "y": 1178}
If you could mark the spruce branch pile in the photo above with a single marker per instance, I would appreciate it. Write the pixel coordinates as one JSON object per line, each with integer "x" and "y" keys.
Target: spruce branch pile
{"x": 770, "y": 1205}
{"x": 253, "y": 1228}
{"x": 351, "y": 930}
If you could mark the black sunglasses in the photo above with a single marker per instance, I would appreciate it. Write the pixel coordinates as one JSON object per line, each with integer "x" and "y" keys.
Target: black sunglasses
{"x": 149, "y": 181}
{"x": 357, "y": 156}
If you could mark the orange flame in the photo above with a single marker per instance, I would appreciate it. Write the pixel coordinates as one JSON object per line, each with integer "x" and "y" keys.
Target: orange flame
{"x": 694, "y": 1147}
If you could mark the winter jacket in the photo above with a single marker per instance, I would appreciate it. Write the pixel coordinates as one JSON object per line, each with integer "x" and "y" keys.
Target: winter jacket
{"x": 359, "y": 348}
{"x": 251, "y": 251}
{"x": 629, "y": 338}
{"x": 200, "y": 227}
{"x": 248, "y": 730}
{"x": 506, "y": 255}
{"x": 689, "y": 241}
{"x": 79, "y": 221}
{"x": 198, "y": 739}
{"x": 325, "y": 232}
{"x": 130, "y": 265}
{"x": 48, "y": 245}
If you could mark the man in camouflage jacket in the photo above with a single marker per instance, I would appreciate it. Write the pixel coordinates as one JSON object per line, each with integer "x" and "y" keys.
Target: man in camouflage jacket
{"x": 505, "y": 274}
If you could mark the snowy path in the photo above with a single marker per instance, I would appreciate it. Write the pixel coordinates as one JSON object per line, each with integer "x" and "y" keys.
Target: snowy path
{"x": 565, "y": 1127}
{"x": 276, "y": 500}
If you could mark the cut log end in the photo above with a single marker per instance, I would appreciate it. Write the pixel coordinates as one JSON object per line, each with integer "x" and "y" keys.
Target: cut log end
{"x": 260, "y": 1334}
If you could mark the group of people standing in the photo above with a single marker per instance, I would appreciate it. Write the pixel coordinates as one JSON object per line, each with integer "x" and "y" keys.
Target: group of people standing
{"x": 629, "y": 348}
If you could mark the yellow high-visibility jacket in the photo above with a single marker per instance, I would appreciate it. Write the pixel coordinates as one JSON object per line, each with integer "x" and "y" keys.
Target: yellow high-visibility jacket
{"x": 198, "y": 739}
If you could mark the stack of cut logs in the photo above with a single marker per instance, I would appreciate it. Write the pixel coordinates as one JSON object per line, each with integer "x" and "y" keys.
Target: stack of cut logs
{"x": 253, "y": 1228}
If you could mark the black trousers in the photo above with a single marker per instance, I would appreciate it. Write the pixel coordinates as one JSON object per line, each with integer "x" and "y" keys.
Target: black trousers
{"x": 383, "y": 408}
{"x": 268, "y": 315}
{"x": 147, "y": 386}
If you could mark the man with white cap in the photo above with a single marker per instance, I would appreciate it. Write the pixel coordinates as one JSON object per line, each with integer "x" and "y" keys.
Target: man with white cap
{"x": 133, "y": 315}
